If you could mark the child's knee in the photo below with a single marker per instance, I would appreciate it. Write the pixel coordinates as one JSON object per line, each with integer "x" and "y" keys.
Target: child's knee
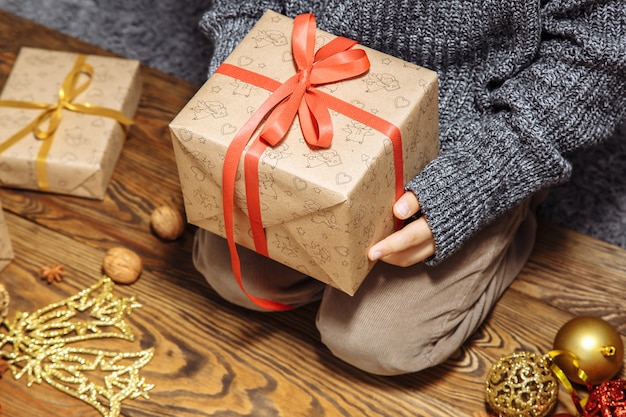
{"x": 383, "y": 352}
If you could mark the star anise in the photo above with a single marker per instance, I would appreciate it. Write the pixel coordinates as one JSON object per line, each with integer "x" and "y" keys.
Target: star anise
{"x": 52, "y": 273}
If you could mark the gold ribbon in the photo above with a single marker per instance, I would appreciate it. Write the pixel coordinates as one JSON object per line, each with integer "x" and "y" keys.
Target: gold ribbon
{"x": 52, "y": 114}
{"x": 558, "y": 372}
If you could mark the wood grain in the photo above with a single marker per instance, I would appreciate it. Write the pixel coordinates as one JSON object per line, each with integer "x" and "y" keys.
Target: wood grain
{"x": 213, "y": 359}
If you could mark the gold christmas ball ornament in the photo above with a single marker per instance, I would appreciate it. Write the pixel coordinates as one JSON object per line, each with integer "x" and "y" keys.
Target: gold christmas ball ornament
{"x": 594, "y": 344}
{"x": 522, "y": 385}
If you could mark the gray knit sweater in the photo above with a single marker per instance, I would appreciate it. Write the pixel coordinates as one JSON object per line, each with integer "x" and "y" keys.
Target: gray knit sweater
{"x": 522, "y": 83}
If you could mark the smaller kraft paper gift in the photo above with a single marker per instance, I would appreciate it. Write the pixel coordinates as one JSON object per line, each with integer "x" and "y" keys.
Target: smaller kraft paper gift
{"x": 6, "y": 248}
{"x": 63, "y": 120}
{"x": 313, "y": 192}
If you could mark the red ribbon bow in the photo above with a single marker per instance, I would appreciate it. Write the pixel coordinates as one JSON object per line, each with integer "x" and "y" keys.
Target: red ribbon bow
{"x": 333, "y": 62}
{"x": 298, "y": 95}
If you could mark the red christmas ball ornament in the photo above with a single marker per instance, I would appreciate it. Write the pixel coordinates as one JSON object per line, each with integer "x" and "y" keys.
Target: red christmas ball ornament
{"x": 594, "y": 346}
{"x": 607, "y": 399}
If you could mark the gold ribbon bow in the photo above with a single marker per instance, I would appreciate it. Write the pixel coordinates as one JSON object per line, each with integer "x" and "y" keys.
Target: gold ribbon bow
{"x": 52, "y": 114}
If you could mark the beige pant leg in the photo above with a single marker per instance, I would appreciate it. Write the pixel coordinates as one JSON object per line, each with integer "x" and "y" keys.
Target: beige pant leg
{"x": 403, "y": 320}
{"x": 262, "y": 277}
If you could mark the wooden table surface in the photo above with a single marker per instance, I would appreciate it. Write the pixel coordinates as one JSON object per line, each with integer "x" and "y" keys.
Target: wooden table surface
{"x": 213, "y": 359}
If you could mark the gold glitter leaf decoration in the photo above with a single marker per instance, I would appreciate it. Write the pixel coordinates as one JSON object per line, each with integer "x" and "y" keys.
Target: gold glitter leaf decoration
{"x": 39, "y": 348}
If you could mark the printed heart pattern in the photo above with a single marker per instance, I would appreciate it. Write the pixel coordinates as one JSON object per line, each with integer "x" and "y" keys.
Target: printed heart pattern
{"x": 299, "y": 184}
{"x": 401, "y": 102}
{"x": 198, "y": 173}
{"x": 343, "y": 178}
{"x": 228, "y": 129}
{"x": 382, "y": 95}
{"x": 245, "y": 61}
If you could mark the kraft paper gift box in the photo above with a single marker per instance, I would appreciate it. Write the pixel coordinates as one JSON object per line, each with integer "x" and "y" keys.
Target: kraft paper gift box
{"x": 6, "y": 248}
{"x": 79, "y": 157}
{"x": 321, "y": 209}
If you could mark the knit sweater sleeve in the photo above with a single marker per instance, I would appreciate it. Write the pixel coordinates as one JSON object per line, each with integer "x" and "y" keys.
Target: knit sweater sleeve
{"x": 521, "y": 84}
{"x": 571, "y": 94}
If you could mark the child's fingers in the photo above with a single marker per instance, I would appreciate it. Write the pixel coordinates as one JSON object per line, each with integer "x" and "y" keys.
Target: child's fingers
{"x": 413, "y": 235}
{"x": 411, "y": 256}
{"x": 406, "y": 206}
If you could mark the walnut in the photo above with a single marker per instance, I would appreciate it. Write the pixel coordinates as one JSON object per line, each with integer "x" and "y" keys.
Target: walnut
{"x": 122, "y": 265}
{"x": 167, "y": 223}
{"x": 4, "y": 303}
{"x": 52, "y": 273}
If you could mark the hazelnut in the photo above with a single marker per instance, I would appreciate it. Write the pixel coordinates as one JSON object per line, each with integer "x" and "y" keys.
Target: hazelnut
{"x": 122, "y": 265}
{"x": 4, "y": 303}
{"x": 167, "y": 223}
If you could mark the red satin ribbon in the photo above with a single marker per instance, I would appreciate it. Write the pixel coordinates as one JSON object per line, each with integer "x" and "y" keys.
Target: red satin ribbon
{"x": 333, "y": 62}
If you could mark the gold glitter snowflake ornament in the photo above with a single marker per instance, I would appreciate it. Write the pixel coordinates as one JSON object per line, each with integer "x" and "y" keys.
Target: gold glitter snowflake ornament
{"x": 41, "y": 347}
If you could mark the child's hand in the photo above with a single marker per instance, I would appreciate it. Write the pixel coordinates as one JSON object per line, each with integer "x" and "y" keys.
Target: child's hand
{"x": 409, "y": 245}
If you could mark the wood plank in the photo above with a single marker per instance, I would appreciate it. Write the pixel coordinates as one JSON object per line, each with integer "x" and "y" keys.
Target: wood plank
{"x": 147, "y": 157}
{"x": 213, "y": 358}
{"x": 578, "y": 274}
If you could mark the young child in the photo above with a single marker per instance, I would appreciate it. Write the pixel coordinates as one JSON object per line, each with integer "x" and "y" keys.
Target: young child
{"x": 521, "y": 84}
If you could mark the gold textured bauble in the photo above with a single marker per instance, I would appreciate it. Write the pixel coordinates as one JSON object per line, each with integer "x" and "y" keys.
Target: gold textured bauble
{"x": 596, "y": 345}
{"x": 522, "y": 385}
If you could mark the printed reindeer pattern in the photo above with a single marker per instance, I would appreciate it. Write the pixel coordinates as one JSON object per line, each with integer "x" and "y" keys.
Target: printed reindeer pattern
{"x": 213, "y": 109}
{"x": 298, "y": 184}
